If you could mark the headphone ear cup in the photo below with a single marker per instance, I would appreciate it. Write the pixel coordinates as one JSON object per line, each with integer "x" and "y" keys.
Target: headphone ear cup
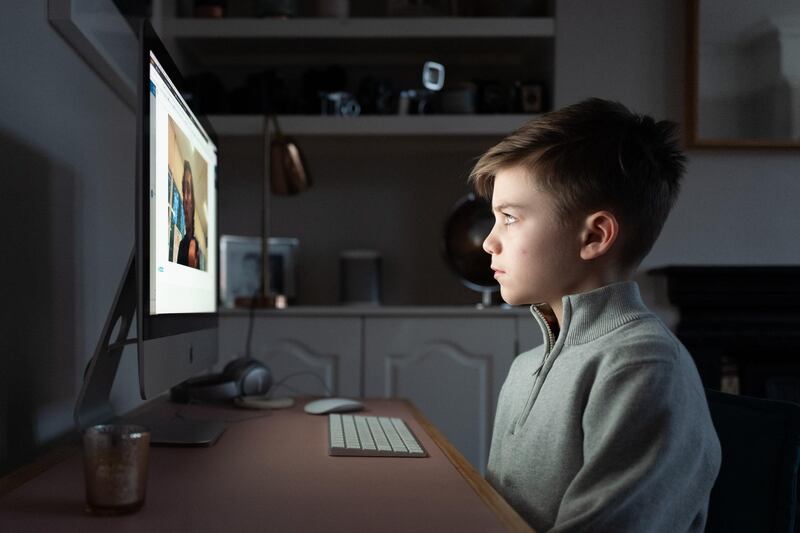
{"x": 256, "y": 381}
{"x": 251, "y": 376}
{"x": 234, "y": 369}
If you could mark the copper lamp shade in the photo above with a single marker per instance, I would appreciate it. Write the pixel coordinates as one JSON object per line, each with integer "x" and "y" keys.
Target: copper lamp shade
{"x": 288, "y": 175}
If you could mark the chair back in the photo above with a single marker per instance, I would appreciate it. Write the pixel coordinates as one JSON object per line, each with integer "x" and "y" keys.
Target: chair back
{"x": 757, "y": 485}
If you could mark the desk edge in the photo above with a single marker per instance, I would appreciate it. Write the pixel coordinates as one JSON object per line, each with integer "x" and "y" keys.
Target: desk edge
{"x": 507, "y": 515}
{"x": 26, "y": 472}
{"x": 63, "y": 447}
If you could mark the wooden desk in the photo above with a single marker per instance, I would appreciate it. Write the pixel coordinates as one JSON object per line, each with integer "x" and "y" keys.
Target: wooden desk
{"x": 270, "y": 471}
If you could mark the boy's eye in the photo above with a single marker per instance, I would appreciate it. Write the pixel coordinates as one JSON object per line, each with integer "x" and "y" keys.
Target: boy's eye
{"x": 508, "y": 219}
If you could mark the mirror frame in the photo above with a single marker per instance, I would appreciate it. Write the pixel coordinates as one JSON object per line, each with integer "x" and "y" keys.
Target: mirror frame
{"x": 692, "y": 104}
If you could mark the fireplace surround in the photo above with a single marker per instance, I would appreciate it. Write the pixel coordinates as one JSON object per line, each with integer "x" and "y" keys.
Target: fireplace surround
{"x": 741, "y": 325}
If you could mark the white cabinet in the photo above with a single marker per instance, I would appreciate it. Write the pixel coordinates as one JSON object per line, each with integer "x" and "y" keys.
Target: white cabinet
{"x": 450, "y": 368}
{"x": 529, "y": 335}
{"x": 313, "y": 355}
{"x": 449, "y": 363}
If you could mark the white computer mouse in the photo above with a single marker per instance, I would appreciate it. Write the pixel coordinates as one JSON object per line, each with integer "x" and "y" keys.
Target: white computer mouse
{"x": 332, "y": 405}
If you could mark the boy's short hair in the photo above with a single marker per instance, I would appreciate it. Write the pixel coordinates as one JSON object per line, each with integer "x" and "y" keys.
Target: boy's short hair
{"x": 596, "y": 155}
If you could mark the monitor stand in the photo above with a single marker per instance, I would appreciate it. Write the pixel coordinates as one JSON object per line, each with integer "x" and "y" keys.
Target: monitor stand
{"x": 94, "y": 406}
{"x": 168, "y": 430}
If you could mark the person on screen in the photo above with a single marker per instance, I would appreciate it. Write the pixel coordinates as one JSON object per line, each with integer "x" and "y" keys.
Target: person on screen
{"x": 187, "y": 250}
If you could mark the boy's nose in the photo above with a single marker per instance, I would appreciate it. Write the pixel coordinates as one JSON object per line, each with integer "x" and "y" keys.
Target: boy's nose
{"x": 490, "y": 244}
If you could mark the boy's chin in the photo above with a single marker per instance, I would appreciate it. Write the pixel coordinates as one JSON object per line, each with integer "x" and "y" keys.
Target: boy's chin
{"x": 518, "y": 297}
{"x": 510, "y": 298}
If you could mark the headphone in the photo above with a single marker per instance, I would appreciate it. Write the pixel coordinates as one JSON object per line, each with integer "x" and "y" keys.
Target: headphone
{"x": 241, "y": 378}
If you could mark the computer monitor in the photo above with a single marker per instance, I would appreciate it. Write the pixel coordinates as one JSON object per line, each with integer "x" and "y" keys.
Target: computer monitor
{"x": 176, "y": 255}
{"x": 171, "y": 282}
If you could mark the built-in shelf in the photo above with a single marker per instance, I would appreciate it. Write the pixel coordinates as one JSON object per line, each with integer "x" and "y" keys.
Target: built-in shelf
{"x": 451, "y": 125}
{"x": 362, "y": 28}
{"x": 458, "y": 41}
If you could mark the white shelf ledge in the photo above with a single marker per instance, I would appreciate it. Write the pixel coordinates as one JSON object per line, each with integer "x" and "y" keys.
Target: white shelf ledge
{"x": 383, "y": 310}
{"x": 419, "y": 125}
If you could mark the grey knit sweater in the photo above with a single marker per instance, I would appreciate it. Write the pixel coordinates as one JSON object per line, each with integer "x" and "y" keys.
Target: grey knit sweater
{"x": 606, "y": 427}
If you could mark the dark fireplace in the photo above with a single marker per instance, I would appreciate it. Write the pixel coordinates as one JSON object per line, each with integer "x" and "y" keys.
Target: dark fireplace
{"x": 741, "y": 325}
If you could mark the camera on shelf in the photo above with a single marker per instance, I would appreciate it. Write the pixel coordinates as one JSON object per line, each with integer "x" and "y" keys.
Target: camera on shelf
{"x": 339, "y": 103}
{"x": 416, "y": 102}
{"x": 423, "y": 101}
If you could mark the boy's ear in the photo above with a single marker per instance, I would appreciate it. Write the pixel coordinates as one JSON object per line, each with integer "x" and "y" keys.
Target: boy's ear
{"x": 599, "y": 233}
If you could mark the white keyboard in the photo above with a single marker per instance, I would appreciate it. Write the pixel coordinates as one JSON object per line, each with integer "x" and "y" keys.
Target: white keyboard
{"x": 371, "y": 436}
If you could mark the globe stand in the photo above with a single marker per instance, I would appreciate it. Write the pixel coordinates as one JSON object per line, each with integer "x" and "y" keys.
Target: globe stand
{"x": 486, "y": 299}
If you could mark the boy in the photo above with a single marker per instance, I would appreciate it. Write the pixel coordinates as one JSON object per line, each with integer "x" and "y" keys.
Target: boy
{"x": 605, "y": 427}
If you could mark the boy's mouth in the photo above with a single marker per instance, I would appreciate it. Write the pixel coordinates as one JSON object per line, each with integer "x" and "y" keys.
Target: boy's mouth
{"x": 497, "y": 271}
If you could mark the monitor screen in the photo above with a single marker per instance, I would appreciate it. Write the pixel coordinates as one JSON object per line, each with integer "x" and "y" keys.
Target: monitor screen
{"x": 182, "y": 270}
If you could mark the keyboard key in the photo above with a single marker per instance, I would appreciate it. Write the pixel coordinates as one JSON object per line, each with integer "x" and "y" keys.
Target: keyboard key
{"x": 336, "y": 433}
{"x": 391, "y": 434}
{"x": 380, "y": 437}
{"x": 364, "y": 434}
{"x": 350, "y": 433}
{"x": 405, "y": 434}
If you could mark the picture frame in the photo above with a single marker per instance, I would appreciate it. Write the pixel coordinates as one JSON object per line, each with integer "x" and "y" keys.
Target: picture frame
{"x": 736, "y": 91}
{"x": 240, "y": 268}
{"x": 283, "y": 266}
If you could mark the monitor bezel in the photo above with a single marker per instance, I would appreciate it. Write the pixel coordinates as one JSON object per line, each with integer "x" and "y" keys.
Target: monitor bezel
{"x": 161, "y": 325}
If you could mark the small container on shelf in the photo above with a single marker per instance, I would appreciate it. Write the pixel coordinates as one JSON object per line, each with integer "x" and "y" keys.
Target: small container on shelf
{"x": 277, "y": 8}
{"x": 209, "y": 9}
{"x": 332, "y": 8}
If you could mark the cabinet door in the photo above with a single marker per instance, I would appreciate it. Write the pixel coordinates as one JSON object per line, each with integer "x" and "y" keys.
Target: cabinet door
{"x": 313, "y": 355}
{"x": 529, "y": 335}
{"x": 450, "y": 368}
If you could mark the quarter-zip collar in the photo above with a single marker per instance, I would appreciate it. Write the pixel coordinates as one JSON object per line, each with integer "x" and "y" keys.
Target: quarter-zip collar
{"x": 545, "y": 317}
{"x": 587, "y": 316}
{"x": 590, "y": 315}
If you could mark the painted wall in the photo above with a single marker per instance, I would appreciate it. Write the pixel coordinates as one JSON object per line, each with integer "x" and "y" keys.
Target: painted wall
{"x": 67, "y": 169}
{"x": 736, "y": 207}
{"x": 391, "y": 195}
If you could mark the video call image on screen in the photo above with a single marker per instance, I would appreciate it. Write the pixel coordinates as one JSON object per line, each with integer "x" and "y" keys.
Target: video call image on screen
{"x": 187, "y": 201}
{"x": 182, "y": 199}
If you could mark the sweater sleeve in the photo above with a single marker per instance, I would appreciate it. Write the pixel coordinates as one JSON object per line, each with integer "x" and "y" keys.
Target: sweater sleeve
{"x": 647, "y": 458}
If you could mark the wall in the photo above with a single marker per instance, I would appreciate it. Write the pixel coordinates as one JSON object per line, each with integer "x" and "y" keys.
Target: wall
{"x": 736, "y": 207}
{"x": 392, "y": 195}
{"x": 67, "y": 152}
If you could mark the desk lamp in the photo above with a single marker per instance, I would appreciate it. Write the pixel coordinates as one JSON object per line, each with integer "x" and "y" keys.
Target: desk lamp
{"x": 284, "y": 174}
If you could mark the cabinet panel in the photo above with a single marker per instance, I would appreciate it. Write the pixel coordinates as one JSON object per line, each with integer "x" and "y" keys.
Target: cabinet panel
{"x": 529, "y": 335}
{"x": 306, "y": 352}
{"x": 450, "y": 368}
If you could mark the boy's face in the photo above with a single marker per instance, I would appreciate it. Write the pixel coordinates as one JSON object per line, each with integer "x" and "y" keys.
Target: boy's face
{"x": 535, "y": 257}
